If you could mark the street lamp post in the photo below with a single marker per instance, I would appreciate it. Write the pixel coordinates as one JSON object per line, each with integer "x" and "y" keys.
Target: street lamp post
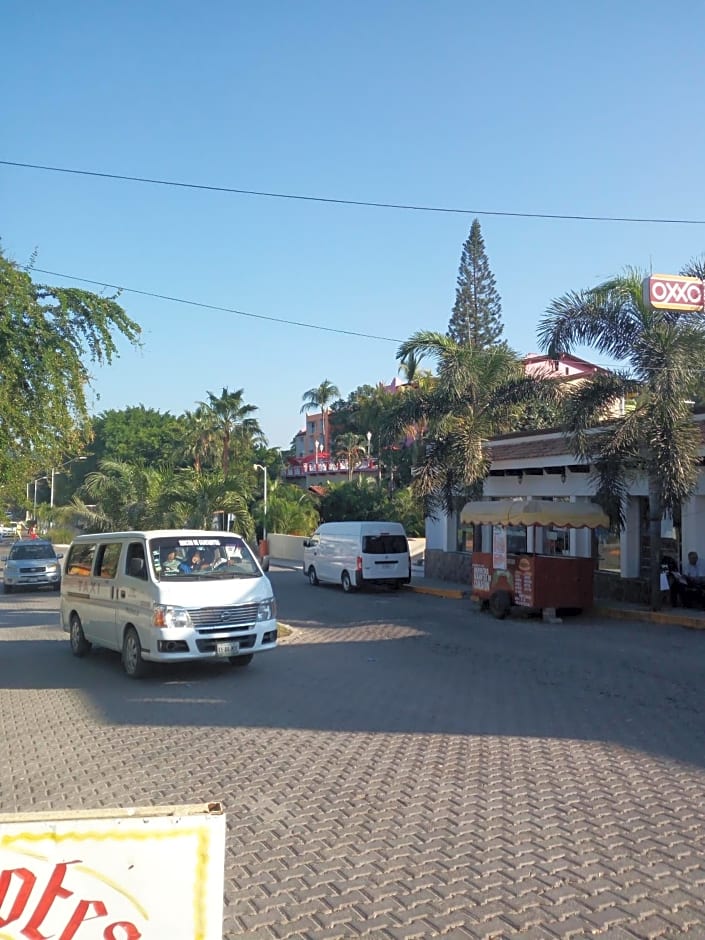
{"x": 369, "y": 442}
{"x": 317, "y": 445}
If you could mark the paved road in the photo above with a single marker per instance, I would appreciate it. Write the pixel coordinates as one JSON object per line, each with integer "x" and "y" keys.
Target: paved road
{"x": 400, "y": 767}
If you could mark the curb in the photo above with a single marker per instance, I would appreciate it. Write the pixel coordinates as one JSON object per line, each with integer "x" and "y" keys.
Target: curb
{"x": 651, "y": 616}
{"x": 455, "y": 593}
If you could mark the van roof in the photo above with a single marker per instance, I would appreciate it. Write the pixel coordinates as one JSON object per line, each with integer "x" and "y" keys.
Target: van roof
{"x": 156, "y": 534}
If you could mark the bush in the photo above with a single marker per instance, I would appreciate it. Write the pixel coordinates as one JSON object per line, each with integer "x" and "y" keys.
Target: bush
{"x": 61, "y": 536}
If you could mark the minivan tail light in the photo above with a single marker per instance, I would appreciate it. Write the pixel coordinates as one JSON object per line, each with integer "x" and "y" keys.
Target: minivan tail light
{"x": 359, "y": 563}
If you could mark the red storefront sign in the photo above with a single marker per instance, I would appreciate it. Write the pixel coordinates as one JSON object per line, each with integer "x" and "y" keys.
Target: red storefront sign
{"x": 674, "y": 292}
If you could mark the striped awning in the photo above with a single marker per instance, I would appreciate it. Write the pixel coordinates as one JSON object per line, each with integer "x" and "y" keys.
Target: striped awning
{"x": 533, "y": 512}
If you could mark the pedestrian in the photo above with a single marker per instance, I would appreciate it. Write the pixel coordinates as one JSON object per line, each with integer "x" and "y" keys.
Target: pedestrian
{"x": 694, "y": 572}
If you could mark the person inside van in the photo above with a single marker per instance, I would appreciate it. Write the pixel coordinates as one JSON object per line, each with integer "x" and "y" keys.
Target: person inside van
{"x": 193, "y": 563}
{"x": 170, "y": 562}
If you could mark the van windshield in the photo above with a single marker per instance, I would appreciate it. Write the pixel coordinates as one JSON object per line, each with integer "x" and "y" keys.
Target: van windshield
{"x": 209, "y": 557}
{"x": 384, "y": 544}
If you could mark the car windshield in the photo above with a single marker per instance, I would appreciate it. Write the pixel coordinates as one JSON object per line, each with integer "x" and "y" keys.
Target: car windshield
{"x": 202, "y": 557}
{"x": 35, "y": 550}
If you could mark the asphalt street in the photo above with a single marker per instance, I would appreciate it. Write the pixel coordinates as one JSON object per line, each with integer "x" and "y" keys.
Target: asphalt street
{"x": 401, "y": 766}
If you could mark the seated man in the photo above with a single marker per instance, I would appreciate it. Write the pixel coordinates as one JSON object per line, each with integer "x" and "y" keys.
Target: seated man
{"x": 677, "y": 582}
{"x": 694, "y": 572}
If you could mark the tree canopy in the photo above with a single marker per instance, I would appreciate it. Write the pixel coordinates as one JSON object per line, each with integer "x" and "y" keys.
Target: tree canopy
{"x": 48, "y": 336}
{"x": 477, "y": 313}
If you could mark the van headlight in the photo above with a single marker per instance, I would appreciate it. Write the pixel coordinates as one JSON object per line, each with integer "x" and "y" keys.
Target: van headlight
{"x": 267, "y": 610}
{"x": 166, "y": 617}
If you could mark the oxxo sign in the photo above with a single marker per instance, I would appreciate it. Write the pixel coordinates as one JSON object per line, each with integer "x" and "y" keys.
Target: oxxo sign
{"x": 675, "y": 292}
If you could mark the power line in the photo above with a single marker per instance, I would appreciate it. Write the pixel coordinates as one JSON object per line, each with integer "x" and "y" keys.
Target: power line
{"x": 260, "y": 316}
{"x": 205, "y": 306}
{"x": 352, "y": 202}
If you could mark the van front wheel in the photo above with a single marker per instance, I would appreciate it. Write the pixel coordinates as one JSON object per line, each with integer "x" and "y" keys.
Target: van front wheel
{"x": 132, "y": 661}
{"x": 312, "y": 576}
{"x": 347, "y": 583}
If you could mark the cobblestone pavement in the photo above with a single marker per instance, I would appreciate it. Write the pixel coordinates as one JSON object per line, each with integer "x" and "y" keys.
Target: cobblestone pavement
{"x": 399, "y": 767}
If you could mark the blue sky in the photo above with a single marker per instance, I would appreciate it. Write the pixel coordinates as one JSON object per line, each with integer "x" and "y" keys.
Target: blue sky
{"x": 592, "y": 109}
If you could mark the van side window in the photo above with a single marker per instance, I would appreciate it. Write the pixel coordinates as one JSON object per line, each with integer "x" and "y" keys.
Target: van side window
{"x": 107, "y": 559}
{"x": 80, "y": 559}
{"x": 135, "y": 563}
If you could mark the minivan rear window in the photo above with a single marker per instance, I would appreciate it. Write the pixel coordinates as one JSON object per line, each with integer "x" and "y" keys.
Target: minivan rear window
{"x": 384, "y": 544}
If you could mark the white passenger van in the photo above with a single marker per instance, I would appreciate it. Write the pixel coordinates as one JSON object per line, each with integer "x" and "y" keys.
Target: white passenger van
{"x": 167, "y": 596}
{"x": 353, "y": 554}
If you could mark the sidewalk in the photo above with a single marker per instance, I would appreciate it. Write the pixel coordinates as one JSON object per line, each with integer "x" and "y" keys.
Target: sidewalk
{"x": 616, "y": 610}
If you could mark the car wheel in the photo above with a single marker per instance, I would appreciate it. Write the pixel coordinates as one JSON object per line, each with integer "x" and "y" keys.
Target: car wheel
{"x": 132, "y": 661}
{"x": 500, "y": 604}
{"x": 347, "y": 583}
{"x": 6, "y": 588}
{"x": 312, "y": 576}
{"x": 241, "y": 660}
{"x": 79, "y": 644}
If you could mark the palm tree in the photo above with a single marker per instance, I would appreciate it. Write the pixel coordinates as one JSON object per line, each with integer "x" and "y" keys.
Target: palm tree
{"x": 126, "y": 496}
{"x": 290, "y": 510}
{"x": 321, "y": 397}
{"x": 122, "y": 496}
{"x": 474, "y": 397}
{"x": 198, "y": 439}
{"x": 205, "y": 495}
{"x": 350, "y": 447}
{"x": 410, "y": 369}
{"x": 664, "y": 351}
{"x": 229, "y": 420}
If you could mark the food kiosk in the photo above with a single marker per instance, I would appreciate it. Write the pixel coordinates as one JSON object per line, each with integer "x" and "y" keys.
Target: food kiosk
{"x": 538, "y": 580}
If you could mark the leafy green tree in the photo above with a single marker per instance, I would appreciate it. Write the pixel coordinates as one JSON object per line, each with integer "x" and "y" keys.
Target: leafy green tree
{"x": 664, "y": 351}
{"x": 321, "y": 397}
{"x": 477, "y": 313}
{"x": 408, "y": 509}
{"x": 48, "y": 335}
{"x": 136, "y": 435}
{"x": 475, "y": 397}
{"x": 230, "y": 422}
{"x": 344, "y": 502}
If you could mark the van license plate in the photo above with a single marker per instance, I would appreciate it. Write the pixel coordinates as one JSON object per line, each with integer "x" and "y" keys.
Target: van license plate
{"x": 227, "y": 649}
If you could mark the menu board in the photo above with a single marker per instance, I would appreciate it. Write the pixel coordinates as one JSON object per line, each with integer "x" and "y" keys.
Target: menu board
{"x": 499, "y": 548}
{"x": 524, "y": 583}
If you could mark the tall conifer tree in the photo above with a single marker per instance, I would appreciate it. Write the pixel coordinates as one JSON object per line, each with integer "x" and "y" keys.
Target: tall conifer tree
{"x": 477, "y": 313}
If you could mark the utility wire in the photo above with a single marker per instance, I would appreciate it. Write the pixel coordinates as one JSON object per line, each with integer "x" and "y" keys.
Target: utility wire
{"x": 205, "y": 306}
{"x": 352, "y": 202}
{"x": 258, "y": 316}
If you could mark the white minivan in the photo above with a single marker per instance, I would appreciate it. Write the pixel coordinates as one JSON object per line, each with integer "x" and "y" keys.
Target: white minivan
{"x": 167, "y": 596}
{"x": 353, "y": 554}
